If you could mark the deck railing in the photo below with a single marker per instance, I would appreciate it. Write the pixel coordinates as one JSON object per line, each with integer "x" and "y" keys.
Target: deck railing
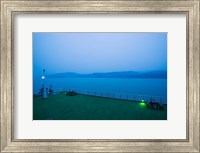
{"x": 116, "y": 95}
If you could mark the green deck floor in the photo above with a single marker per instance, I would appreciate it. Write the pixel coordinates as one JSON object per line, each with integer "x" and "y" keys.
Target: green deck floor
{"x": 83, "y": 107}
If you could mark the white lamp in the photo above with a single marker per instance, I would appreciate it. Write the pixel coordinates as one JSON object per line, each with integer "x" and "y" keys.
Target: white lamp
{"x": 45, "y": 95}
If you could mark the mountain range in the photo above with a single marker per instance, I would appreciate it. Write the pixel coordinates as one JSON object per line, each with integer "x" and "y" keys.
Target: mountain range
{"x": 121, "y": 74}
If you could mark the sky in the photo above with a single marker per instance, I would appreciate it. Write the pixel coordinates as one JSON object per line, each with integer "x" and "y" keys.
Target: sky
{"x": 98, "y": 52}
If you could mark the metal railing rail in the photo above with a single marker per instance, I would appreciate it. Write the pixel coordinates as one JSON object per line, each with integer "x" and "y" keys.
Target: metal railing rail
{"x": 116, "y": 95}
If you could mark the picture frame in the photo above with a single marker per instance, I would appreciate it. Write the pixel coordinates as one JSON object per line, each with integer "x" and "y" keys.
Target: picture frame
{"x": 10, "y": 8}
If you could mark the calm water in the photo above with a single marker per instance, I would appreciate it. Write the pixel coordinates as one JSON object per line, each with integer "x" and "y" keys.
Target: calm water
{"x": 141, "y": 86}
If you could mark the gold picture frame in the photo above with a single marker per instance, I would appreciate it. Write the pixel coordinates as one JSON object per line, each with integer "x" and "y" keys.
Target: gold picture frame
{"x": 11, "y": 7}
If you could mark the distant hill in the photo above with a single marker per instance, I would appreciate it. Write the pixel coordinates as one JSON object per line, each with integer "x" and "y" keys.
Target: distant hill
{"x": 123, "y": 74}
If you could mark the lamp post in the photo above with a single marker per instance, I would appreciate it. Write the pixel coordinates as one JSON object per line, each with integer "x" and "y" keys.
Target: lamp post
{"x": 45, "y": 90}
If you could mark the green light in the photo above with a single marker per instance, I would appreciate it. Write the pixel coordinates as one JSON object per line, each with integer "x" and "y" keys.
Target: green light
{"x": 142, "y": 103}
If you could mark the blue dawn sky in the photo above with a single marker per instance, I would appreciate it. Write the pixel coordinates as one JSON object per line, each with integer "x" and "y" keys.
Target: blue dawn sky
{"x": 99, "y": 52}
